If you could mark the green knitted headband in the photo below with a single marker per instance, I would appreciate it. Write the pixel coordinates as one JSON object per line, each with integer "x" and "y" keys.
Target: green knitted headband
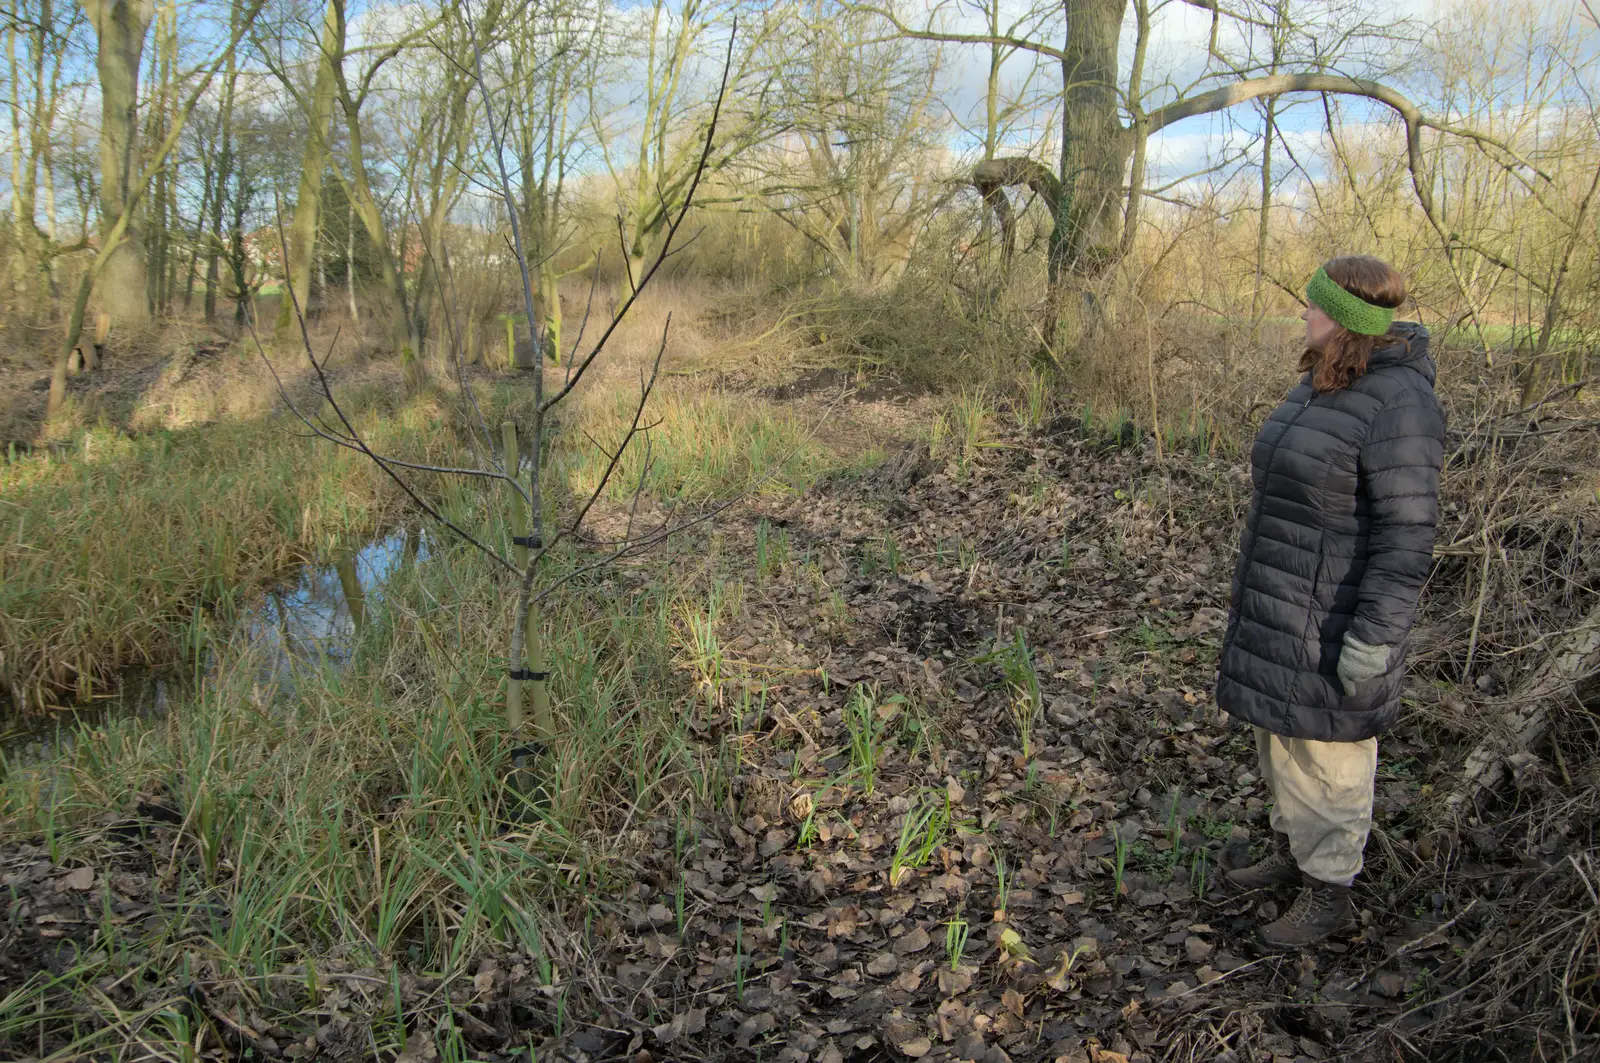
{"x": 1351, "y": 311}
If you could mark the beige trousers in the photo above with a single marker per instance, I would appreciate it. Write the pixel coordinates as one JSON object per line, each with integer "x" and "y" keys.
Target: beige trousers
{"x": 1321, "y": 799}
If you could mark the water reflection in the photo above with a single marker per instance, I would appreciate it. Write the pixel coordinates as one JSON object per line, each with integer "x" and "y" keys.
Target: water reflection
{"x": 310, "y": 620}
{"x": 302, "y": 622}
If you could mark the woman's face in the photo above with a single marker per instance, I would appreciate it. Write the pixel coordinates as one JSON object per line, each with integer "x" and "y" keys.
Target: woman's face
{"x": 1320, "y": 328}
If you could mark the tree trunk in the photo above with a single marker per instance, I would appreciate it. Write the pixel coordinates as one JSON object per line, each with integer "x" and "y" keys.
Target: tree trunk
{"x": 350, "y": 260}
{"x": 365, "y": 205}
{"x": 218, "y": 199}
{"x": 302, "y": 237}
{"x": 163, "y": 194}
{"x": 120, "y": 26}
{"x": 549, "y": 306}
{"x": 1087, "y": 209}
{"x": 200, "y": 228}
{"x": 30, "y": 252}
{"x": 1264, "y": 220}
{"x": 1095, "y": 145}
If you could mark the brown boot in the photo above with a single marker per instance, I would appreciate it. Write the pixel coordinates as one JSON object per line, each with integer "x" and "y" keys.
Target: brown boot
{"x": 1277, "y": 868}
{"x": 1321, "y": 910}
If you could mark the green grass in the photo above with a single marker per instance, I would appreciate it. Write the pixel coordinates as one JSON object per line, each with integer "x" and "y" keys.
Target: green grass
{"x": 700, "y": 447}
{"x": 107, "y": 550}
{"x": 1510, "y": 336}
{"x": 363, "y": 822}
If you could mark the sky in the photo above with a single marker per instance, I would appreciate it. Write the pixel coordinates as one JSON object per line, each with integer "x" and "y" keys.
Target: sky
{"x": 1177, "y": 60}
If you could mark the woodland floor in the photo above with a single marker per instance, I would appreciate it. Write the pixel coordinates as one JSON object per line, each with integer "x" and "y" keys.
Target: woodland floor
{"x": 781, "y": 925}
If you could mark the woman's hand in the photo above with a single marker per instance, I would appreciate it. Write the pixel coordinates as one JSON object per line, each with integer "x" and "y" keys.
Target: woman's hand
{"x": 1359, "y": 662}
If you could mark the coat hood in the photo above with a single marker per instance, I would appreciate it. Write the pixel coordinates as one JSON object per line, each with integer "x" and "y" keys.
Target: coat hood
{"x": 1412, "y": 351}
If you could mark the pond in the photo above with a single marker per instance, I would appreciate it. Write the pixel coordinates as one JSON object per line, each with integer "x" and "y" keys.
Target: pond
{"x": 305, "y": 619}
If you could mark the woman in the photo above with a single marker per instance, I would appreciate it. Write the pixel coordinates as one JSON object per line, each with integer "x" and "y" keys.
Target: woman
{"x": 1333, "y": 557}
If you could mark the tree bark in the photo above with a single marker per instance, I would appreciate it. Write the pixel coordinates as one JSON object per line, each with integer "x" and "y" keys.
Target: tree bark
{"x": 120, "y": 27}
{"x": 302, "y": 237}
{"x": 1574, "y": 661}
{"x": 1095, "y": 145}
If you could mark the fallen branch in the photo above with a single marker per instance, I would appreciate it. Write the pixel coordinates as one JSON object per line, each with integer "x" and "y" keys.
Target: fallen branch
{"x": 1575, "y": 659}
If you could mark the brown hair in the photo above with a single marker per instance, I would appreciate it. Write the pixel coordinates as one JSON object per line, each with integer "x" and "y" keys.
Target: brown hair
{"x": 1368, "y": 278}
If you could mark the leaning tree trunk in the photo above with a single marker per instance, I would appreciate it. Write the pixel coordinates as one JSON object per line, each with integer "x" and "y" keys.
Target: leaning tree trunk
{"x": 1574, "y": 661}
{"x": 120, "y": 26}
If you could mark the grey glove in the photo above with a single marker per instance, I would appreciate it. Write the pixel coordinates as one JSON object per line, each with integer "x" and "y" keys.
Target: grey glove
{"x": 1359, "y": 662}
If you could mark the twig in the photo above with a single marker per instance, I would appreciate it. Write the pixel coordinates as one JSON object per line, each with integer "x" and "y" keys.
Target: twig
{"x": 1413, "y": 943}
{"x": 1207, "y": 985}
{"x": 672, "y": 231}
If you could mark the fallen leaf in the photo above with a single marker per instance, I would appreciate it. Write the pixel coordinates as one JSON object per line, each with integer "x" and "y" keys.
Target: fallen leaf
{"x": 915, "y": 941}
{"x": 882, "y": 964}
{"x": 916, "y": 1048}
{"x": 1390, "y": 984}
{"x": 1011, "y": 943}
{"x": 79, "y": 878}
{"x": 956, "y": 981}
{"x": 483, "y": 981}
{"x": 419, "y": 1049}
{"x": 754, "y": 1027}
{"x": 970, "y": 1047}
{"x": 844, "y": 923}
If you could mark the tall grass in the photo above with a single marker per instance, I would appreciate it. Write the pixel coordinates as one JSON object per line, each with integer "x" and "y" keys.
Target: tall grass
{"x": 360, "y": 822}
{"x": 701, "y": 445}
{"x": 108, "y": 549}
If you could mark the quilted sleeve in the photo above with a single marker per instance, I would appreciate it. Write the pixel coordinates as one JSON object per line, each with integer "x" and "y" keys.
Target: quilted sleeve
{"x": 1399, "y": 470}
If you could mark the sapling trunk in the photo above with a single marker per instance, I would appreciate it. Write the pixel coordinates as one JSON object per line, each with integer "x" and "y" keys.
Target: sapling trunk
{"x": 525, "y": 642}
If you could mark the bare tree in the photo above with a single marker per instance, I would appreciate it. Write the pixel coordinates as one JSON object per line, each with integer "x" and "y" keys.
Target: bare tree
{"x": 1092, "y": 204}
{"x": 317, "y": 107}
{"x": 855, "y": 172}
{"x": 669, "y": 120}
{"x": 523, "y": 478}
{"x": 113, "y": 235}
{"x": 45, "y": 32}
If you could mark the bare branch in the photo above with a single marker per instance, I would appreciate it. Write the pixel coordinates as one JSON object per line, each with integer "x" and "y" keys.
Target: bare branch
{"x": 350, "y": 428}
{"x": 666, "y": 244}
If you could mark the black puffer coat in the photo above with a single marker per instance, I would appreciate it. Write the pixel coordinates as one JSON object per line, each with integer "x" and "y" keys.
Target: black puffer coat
{"x": 1339, "y": 538}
